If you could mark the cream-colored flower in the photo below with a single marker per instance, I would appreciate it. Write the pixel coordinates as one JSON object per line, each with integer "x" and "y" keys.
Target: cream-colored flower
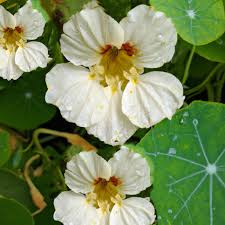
{"x": 15, "y": 30}
{"x": 99, "y": 189}
{"x": 116, "y": 54}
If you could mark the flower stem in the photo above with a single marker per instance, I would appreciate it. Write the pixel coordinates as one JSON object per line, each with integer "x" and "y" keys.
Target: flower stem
{"x": 187, "y": 68}
{"x": 212, "y": 73}
{"x": 220, "y": 89}
{"x": 210, "y": 92}
{"x": 72, "y": 138}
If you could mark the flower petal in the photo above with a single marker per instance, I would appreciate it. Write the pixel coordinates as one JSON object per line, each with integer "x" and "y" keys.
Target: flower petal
{"x": 3, "y": 57}
{"x": 10, "y": 71}
{"x": 152, "y": 34}
{"x": 7, "y": 20}
{"x": 104, "y": 217}
{"x": 80, "y": 99}
{"x": 155, "y": 96}
{"x": 115, "y": 128}
{"x": 84, "y": 169}
{"x": 86, "y": 33}
{"x": 72, "y": 209}
{"x": 61, "y": 78}
{"x": 132, "y": 169}
{"x": 138, "y": 211}
{"x": 31, "y": 56}
{"x": 31, "y": 21}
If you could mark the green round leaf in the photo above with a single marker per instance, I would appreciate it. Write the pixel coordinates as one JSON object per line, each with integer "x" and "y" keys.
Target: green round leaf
{"x": 188, "y": 153}
{"x": 13, "y": 213}
{"x": 214, "y": 51}
{"x": 4, "y": 147}
{"x": 198, "y": 22}
{"x": 11, "y": 186}
{"x": 23, "y": 103}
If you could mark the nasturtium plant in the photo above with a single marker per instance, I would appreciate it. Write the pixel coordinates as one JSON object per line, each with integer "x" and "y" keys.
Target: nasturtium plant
{"x": 22, "y": 102}
{"x": 188, "y": 154}
{"x": 198, "y": 22}
{"x": 116, "y": 78}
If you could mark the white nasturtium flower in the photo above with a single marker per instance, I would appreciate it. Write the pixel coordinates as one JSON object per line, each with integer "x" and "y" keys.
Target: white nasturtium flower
{"x": 112, "y": 98}
{"x": 17, "y": 55}
{"x": 99, "y": 189}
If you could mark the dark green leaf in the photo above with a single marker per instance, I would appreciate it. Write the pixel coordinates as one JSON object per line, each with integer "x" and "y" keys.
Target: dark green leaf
{"x": 13, "y": 213}
{"x": 4, "y": 147}
{"x": 22, "y": 103}
{"x": 214, "y": 51}
{"x": 11, "y": 186}
{"x": 117, "y": 9}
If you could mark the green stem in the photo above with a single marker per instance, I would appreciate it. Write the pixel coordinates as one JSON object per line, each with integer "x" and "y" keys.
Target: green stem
{"x": 210, "y": 92}
{"x": 220, "y": 89}
{"x": 42, "y": 152}
{"x": 212, "y": 73}
{"x": 187, "y": 68}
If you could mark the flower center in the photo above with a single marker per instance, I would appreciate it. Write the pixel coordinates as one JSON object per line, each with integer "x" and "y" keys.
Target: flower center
{"x": 12, "y": 38}
{"x": 105, "y": 193}
{"x": 115, "y": 62}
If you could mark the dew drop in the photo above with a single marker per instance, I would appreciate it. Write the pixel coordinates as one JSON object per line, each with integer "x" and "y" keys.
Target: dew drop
{"x": 220, "y": 41}
{"x": 170, "y": 211}
{"x": 174, "y": 138}
{"x": 140, "y": 173}
{"x": 182, "y": 121}
{"x": 186, "y": 114}
{"x": 28, "y": 95}
{"x": 172, "y": 151}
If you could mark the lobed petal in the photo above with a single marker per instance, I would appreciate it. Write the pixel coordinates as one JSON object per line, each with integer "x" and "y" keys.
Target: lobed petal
{"x": 31, "y": 21}
{"x": 132, "y": 169}
{"x": 9, "y": 70}
{"x": 87, "y": 33}
{"x": 155, "y": 96}
{"x": 138, "y": 211}
{"x": 80, "y": 99}
{"x": 84, "y": 169}
{"x": 31, "y": 56}
{"x": 115, "y": 128}
{"x": 72, "y": 209}
{"x": 7, "y": 20}
{"x": 152, "y": 34}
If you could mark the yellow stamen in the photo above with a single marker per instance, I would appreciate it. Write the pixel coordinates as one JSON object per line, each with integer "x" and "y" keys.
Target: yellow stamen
{"x": 12, "y": 38}
{"x": 105, "y": 194}
{"x": 118, "y": 65}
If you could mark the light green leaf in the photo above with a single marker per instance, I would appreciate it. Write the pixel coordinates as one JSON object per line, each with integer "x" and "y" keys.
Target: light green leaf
{"x": 22, "y": 103}
{"x": 4, "y": 147}
{"x": 13, "y": 213}
{"x": 214, "y": 51}
{"x": 188, "y": 153}
{"x": 37, "y": 5}
{"x": 198, "y": 22}
{"x": 13, "y": 187}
